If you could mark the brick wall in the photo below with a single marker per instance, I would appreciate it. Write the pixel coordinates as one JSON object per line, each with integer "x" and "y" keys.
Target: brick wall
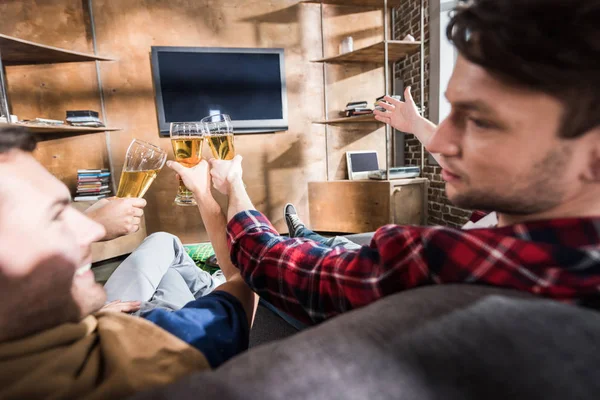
{"x": 407, "y": 21}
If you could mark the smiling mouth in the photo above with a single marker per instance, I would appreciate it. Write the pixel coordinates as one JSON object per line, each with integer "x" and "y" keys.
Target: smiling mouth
{"x": 83, "y": 269}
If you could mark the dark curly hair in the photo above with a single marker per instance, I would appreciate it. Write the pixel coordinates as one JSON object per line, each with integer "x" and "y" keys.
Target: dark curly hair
{"x": 16, "y": 138}
{"x": 552, "y": 46}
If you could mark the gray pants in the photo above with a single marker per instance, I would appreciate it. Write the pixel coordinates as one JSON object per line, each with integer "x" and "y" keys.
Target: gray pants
{"x": 159, "y": 273}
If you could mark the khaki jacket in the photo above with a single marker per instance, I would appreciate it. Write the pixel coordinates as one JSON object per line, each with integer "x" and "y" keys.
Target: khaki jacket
{"x": 107, "y": 355}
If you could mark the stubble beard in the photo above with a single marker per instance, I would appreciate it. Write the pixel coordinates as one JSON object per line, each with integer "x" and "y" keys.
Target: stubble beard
{"x": 533, "y": 192}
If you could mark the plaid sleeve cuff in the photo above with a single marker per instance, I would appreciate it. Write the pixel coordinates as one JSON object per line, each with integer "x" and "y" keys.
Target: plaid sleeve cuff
{"x": 247, "y": 221}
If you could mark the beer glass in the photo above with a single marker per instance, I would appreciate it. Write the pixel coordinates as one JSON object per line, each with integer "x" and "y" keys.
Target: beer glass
{"x": 143, "y": 162}
{"x": 187, "y": 139}
{"x": 219, "y": 134}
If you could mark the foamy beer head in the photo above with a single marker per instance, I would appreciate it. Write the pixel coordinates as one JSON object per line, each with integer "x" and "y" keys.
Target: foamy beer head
{"x": 219, "y": 134}
{"x": 143, "y": 162}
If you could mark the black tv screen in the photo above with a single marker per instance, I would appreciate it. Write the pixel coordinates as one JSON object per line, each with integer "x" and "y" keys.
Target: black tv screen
{"x": 194, "y": 82}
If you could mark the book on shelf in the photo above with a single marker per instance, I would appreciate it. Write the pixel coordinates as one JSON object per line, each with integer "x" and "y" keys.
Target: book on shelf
{"x": 100, "y": 175}
{"x": 90, "y": 198}
{"x": 356, "y": 105}
{"x": 87, "y": 124}
{"x": 357, "y": 112}
{"x": 92, "y": 184}
{"x": 82, "y": 114}
{"x": 98, "y": 185}
{"x": 93, "y": 171}
{"x": 85, "y": 118}
{"x": 92, "y": 180}
{"x": 42, "y": 121}
{"x": 81, "y": 189}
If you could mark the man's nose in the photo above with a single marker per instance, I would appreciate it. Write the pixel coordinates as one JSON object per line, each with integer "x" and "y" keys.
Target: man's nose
{"x": 445, "y": 140}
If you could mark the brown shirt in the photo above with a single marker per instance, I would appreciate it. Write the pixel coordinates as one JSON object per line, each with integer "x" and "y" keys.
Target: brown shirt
{"x": 107, "y": 355}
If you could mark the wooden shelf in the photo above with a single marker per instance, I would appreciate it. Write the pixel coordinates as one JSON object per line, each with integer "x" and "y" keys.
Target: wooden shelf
{"x": 16, "y": 51}
{"x": 357, "y": 3}
{"x": 66, "y": 129}
{"x": 350, "y": 120}
{"x": 398, "y": 49}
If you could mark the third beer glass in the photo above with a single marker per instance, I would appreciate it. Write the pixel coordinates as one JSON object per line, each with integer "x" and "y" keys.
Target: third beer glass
{"x": 219, "y": 134}
{"x": 187, "y": 139}
{"x": 143, "y": 162}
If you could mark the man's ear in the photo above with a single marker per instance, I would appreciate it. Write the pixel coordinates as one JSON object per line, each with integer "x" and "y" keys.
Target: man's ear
{"x": 592, "y": 171}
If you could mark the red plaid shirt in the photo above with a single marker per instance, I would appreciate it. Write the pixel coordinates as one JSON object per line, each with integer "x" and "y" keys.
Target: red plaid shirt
{"x": 558, "y": 259}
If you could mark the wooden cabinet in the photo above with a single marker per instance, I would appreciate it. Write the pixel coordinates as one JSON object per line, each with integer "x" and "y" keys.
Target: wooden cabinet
{"x": 15, "y": 51}
{"x": 364, "y": 206}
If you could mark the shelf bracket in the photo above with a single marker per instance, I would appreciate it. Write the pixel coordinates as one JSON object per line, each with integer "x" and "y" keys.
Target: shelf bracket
{"x": 325, "y": 95}
{"x": 102, "y": 100}
{"x": 386, "y": 67}
{"x": 4, "y": 104}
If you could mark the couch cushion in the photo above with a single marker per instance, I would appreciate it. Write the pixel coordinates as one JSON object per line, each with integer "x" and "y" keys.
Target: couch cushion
{"x": 441, "y": 342}
{"x": 361, "y": 238}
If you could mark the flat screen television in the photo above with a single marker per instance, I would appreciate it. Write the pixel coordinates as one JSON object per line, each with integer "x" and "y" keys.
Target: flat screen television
{"x": 191, "y": 83}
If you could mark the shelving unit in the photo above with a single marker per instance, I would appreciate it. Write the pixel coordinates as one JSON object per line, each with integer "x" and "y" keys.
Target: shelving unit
{"x": 42, "y": 129}
{"x": 397, "y": 50}
{"x": 361, "y": 3}
{"x": 15, "y": 51}
{"x": 363, "y": 206}
{"x": 385, "y": 52}
{"x": 349, "y": 120}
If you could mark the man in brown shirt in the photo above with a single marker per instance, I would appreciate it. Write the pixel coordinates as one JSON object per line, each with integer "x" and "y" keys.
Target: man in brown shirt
{"x": 55, "y": 341}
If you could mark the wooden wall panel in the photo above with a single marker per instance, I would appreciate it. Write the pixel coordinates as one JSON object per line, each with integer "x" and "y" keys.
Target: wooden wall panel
{"x": 277, "y": 166}
{"x": 47, "y": 91}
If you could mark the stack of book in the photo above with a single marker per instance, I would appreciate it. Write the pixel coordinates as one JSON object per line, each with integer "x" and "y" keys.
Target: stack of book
{"x": 92, "y": 184}
{"x": 357, "y": 108}
{"x": 85, "y": 118}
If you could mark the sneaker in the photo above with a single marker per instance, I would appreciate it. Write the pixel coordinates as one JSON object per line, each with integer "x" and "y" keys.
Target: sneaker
{"x": 292, "y": 220}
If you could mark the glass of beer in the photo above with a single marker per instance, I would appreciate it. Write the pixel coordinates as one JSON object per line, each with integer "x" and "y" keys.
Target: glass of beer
{"x": 187, "y": 139}
{"x": 143, "y": 162}
{"x": 219, "y": 134}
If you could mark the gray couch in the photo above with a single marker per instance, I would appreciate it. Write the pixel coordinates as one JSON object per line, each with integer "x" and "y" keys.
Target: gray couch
{"x": 442, "y": 342}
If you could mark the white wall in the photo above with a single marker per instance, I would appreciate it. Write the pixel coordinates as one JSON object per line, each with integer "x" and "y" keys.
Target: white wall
{"x": 442, "y": 58}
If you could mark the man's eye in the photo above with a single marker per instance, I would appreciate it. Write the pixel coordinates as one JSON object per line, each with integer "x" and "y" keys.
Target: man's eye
{"x": 481, "y": 124}
{"x": 58, "y": 216}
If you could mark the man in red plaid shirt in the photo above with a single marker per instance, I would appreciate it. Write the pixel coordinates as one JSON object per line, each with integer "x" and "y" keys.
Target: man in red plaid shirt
{"x": 522, "y": 139}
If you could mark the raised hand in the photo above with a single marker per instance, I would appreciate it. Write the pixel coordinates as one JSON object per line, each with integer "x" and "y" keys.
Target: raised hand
{"x": 119, "y": 216}
{"x": 226, "y": 173}
{"x": 401, "y": 115}
{"x": 196, "y": 178}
